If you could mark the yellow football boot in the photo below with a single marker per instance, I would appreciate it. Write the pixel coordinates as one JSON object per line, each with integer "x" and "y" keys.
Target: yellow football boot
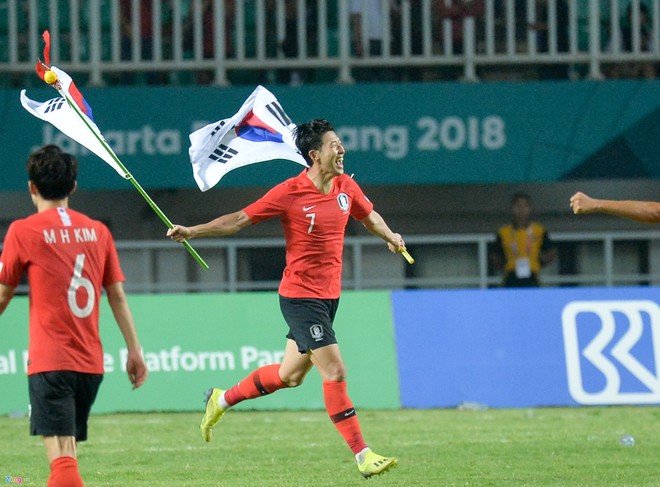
{"x": 213, "y": 413}
{"x": 374, "y": 464}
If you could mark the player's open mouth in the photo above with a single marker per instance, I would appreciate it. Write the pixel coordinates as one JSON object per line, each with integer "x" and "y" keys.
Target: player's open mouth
{"x": 340, "y": 163}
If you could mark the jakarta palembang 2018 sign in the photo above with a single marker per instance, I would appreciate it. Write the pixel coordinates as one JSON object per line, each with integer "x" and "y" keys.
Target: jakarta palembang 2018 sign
{"x": 432, "y": 133}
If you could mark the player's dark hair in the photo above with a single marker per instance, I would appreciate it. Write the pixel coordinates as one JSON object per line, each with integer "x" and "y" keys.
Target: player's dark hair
{"x": 52, "y": 171}
{"x": 309, "y": 136}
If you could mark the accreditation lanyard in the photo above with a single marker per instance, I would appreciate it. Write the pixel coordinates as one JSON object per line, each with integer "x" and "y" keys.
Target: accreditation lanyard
{"x": 528, "y": 243}
{"x": 523, "y": 267}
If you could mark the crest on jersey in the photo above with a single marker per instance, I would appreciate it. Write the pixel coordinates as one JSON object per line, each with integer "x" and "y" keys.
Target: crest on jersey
{"x": 342, "y": 200}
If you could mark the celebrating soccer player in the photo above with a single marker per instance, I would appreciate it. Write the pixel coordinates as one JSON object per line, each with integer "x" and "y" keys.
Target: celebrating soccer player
{"x": 314, "y": 208}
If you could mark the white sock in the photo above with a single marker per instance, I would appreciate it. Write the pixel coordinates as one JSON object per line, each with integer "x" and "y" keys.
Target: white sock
{"x": 221, "y": 401}
{"x": 359, "y": 457}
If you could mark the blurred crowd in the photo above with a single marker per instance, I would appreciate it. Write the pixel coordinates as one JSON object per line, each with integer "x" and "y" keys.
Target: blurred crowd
{"x": 186, "y": 28}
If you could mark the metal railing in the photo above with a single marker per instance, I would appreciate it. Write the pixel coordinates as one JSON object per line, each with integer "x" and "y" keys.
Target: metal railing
{"x": 99, "y": 39}
{"x": 442, "y": 261}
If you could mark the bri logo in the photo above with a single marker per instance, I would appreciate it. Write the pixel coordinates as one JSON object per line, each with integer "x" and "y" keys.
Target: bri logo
{"x": 612, "y": 351}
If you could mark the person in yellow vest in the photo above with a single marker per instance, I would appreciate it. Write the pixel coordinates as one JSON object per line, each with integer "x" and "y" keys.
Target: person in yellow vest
{"x": 522, "y": 247}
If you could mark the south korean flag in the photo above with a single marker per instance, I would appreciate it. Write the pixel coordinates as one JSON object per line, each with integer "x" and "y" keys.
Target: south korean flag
{"x": 259, "y": 131}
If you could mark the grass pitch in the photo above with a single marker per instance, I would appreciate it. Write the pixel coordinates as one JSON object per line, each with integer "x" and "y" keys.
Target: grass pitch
{"x": 526, "y": 447}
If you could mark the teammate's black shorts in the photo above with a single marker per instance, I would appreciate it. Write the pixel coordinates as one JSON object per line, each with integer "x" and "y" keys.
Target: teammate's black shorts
{"x": 310, "y": 321}
{"x": 60, "y": 402}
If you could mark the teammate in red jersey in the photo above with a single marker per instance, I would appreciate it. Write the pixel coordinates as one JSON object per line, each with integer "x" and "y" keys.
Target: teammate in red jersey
{"x": 314, "y": 208}
{"x": 68, "y": 257}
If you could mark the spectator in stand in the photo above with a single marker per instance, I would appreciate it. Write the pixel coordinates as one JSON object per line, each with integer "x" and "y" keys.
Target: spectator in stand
{"x": 369, "y": 16}
{"x": 457, "y": 12}
{"x": 520, "y": 29}
{"x": 416, "y": 25}
{"x": 145, "y": 26}
{"x": 205, "y": 77}
{"x": 541, "y": 27}
{"x": 643, "y": 70}
{"x": 289, "y": 44}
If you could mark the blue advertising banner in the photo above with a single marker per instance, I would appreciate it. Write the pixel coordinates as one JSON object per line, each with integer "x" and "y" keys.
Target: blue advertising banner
{"x": 493, "y": 348}
{"x": 398, "y": 133}
{"x": 528, "y": 348}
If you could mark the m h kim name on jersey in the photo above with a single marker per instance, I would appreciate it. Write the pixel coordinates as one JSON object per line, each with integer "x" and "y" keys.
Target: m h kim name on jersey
{"x": 70, "y": 235}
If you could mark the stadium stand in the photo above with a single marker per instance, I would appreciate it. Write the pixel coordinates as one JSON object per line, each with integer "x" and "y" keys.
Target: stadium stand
{"x": 247, "y": 43}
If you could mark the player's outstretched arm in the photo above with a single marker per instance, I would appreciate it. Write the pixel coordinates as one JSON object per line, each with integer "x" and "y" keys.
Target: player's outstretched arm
{"x": 375, "y": 224}
{"x": 641, "y": 211}
{"x": 135, "y": 366}
{"x": 222, "y": 226}
{"x": 6, "y": 293}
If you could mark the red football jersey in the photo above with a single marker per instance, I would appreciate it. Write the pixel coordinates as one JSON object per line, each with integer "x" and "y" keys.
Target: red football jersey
{"x": 314, "y": 226}
{"x": 68, "y": 258}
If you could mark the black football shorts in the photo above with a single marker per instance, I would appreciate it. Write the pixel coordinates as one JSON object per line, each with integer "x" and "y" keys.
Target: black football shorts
{"x": 60, "y": 402}
{"x": 310, "y": 321}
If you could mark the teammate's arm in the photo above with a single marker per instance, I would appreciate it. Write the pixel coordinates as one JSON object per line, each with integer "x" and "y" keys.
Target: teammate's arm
{"x": 6, "y": 293}
{"x": 222, "y": 226}
{"x": 375, "y": 224}
{"x": 135, "y": 366}
{"x": 641, "y": 211}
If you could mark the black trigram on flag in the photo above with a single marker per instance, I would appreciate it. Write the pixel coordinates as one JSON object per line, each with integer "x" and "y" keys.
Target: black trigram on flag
{"x": 54, "y": 104}
{"x": 217, "y": 127}
{"x": 222, "y": 154}
{"x": 278, "y": 112}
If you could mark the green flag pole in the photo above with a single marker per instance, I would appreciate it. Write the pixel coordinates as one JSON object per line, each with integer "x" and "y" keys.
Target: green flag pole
{"x": 128, "y": 175}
